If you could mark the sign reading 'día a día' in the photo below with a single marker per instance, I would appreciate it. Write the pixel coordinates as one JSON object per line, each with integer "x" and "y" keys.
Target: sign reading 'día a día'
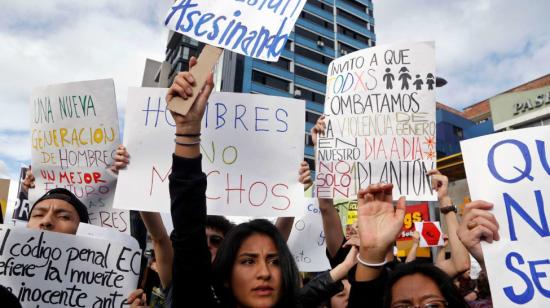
{"x": 74, "y": 131}
{"x": 380, "y": 125}
{"x": 251, "y": 145}
{"x": 255, "y": 28}
{"x": 51, "y": 269}
{"x": 511, "y": 170}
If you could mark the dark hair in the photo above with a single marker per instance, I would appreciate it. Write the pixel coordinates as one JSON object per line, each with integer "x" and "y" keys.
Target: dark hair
{"x": 439, "y": 277}
{"x": 227, "y": 254}
{"x": 67, "y": 196}
{"x": 219, "y": 223}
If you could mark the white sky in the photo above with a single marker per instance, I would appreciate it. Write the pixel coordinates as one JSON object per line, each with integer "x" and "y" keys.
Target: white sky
{"x": 483, "y": 47}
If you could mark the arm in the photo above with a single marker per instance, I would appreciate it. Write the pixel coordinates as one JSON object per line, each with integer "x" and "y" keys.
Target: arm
{"x": 331, "y": 220}
{"x": 327, "y": 284}
{"x": 161, "y": 245}
{"x": 460, "y": 259}
{"x": 379, "y": 225}
{"x": 122, "y": 159}
{"x": 188, "y": 200}
{"x": 411, "y": 256}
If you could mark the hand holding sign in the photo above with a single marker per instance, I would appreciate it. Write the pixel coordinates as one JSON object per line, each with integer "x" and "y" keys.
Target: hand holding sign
{"x": 478, "y": 224}
{"x": 200, "y": 73}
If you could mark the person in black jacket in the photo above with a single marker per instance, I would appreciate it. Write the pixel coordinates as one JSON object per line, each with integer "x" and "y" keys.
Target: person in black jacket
{"x": 254, "y": 267}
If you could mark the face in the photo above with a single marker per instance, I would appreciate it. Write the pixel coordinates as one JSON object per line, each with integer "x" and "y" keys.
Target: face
{"x": 54, "y": 215}
{"x": 256, "y": 275}
{"x": 340, "y": 300}
{"x": 213, "y": 238}
{"x": 416, "y": 290}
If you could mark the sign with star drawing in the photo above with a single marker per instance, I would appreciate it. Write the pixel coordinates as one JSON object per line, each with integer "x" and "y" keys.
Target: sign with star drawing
{"x": 380, "y": 122}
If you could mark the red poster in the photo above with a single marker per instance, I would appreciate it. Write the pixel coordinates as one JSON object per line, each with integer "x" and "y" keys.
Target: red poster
{"x": 415, "y": 213}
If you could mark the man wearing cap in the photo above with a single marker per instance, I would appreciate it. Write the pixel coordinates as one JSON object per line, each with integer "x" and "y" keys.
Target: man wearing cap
{"x": 58, "y": 210}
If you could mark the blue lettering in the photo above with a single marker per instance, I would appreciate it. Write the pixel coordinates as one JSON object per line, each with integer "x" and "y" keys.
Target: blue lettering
{"x": 219, "y": 116}
{"x": 525, "y": 173}
{"x": 215, "y": 28}
{"x": 281, "y": 120}
{"x": 238, "y": 27}
{"x": 238, "y": 116}
{"x": 542, "y": 155}
{"x": 153, "y": 110}
{"x": 183, "y": 6}
{"x": 526, "y": 296}
{"x": 190, "y": 20}
{"x": 258, "y": 119}
{"x": 204, "y": 18}
{"x": 537, "y": 275}
{"x": 510, "y": 203}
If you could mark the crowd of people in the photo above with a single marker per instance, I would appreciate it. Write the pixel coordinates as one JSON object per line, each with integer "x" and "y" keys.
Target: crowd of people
{"x": 209, "y": 260}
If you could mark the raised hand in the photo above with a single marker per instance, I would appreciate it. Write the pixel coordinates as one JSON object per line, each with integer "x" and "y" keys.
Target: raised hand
{"x": 122, "y": 158}
{"x": 319, "y": 128}
{"x": 440, "y": 183}
{"x": 378, "y": 221}
{"x": 182, "y": 86}
{"x": 304, "y": 175}
{"x": 477, "y": 225}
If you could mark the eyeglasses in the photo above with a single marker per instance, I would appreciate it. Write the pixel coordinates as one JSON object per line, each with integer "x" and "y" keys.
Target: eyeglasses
{"x": 431, "y": 304}
{"x": 215, "y": 240}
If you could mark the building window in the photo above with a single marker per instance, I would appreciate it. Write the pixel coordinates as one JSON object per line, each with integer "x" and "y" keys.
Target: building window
{"x": 307, "y": 140}
{"x": 345, "y": 49}
{"x": 459, "y": 132}
{"x": 316, "y": 20}
{"x": 321, "y": 5}
{"x": 357, "y": 5}
{"x": 360, "y": 22}
{"x": 353, "y": 34}
{"x": 310, "y": 95}
{"x": 312, "y": 55}
{"x": 270, "y": 81}
{"x": 312, "y": 117}
{"x": 282, "y": 63}
{"x": 303, "y": 72}
{"x": 311, "y": 163}
{"x": 318, "y": 39}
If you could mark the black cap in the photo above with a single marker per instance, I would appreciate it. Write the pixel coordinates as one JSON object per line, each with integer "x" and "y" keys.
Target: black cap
{"x": 66, "y": 195}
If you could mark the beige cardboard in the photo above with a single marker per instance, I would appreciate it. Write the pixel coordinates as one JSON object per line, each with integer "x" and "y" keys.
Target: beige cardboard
{"x": 205, "y": 64}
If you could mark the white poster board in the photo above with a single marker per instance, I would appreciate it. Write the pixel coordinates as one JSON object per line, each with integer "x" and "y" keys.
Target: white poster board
{"x": 380, "y": 104}
{"x": 430, "y": 233}
{"x": 307, "y": 240}
{"x": 258, "y": 29}
{"x": 511, "y": 170}
{"x": 51, "y": 269}
{"x": 252, "y": 146}
{"x": 74, "y": 131}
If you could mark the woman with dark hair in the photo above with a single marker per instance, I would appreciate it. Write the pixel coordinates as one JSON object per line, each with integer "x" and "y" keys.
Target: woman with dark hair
{"x": 233, "y": 261}
{"x": 253, "y": 267}
{"x": 419, "y": 285}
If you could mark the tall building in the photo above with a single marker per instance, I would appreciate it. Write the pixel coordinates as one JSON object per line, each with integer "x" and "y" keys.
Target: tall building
{"x": 324, "y": 31}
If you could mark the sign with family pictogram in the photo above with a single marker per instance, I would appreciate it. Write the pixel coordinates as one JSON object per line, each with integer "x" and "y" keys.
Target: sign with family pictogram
{"x": 380, "y": 124}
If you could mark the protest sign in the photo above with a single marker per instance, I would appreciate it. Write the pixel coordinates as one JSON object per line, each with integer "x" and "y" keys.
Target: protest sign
{"x": 413, "y": 213}
{"x": 380, "y": 124}
{"x": 430, "y": 233}
{"x": 257, "y": 29}
{"x": 4, "y": 190}
{"x": 511, "y": 170}
{"x": 252, "y": 147}
{"x": 51, "y": 269}
{"x": 74, "y": 130}
{"x": 307, "y": 240}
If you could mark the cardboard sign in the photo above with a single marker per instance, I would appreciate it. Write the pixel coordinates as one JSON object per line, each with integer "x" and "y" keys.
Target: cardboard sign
{"x": 512, "y": 171}
{"x": 307, "y": 240}
{"x": 51, "y": 269}
{"x": 380, "y": 104}
{"x": 257, "y": 29}
{"x": 74, "y": 131}
{"x": 252, "y": 146}
{"x": 430, "y": 233}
